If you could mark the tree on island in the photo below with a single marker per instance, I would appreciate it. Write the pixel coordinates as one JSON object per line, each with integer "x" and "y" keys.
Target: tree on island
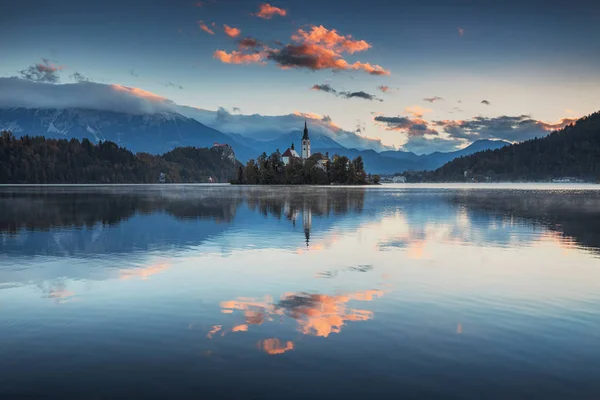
{"x": 271, "y": 170}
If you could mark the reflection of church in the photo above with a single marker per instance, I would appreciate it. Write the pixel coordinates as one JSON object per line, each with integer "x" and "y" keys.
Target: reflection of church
{"x": 306, "y": 222}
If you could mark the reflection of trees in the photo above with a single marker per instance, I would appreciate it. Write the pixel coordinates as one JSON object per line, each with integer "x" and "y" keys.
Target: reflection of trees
{"x": 573, "y": 215}
{"x": 50, "y": 209}
{"x": 60, "y": 207}
{"x": 289, "y": 201}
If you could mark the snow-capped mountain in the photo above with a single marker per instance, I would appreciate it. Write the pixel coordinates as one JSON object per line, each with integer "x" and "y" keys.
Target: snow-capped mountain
{"x": 152, "y": 133}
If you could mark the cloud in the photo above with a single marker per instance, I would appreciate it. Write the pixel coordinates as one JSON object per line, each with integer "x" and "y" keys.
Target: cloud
{"x": 417, "y": 111}
{"x": 15, "y": 92}
{"x": 347, "y": 95}
{"x": 487, "y": 103}
{"x": 433, "y": 99}
{"x": 410, "y": 126}
{"x": 267, "y": 11}
{"x": 236, "y": 109}
{"x": 315, "y": 57}
{"x": 231, "y": 32}
{"x": 133, "y": 73}
{"x": 77, "y": 77}
{"x": 324, "y": 88}
{"x": 248, "y": 43}
{"x": 510, "y": 128}
{"x": 238, "y": 57}
{"x": 42, "y": 72}
{"x": 205, "y": 28}
{"x": 461, "y": 31}
{"x": 330, "y": 39}
{"x": 316, "y": 49}
{"x": 383, "y": 88}
{"x": 173, "y": 85}
{"x": 360, "y": 95}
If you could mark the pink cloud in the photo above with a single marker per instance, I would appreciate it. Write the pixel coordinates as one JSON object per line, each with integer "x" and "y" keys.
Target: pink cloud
{"x": 267, "y": 11}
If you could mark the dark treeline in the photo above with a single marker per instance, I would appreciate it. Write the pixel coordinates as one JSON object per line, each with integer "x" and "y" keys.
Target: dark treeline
{"x": 39, "y": 160}
{"x": 573, "y": 151}
{"x": 270, "y": 170}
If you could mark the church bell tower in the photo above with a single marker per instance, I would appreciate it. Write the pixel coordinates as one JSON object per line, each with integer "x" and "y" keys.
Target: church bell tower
{"x": 305, "y": 143}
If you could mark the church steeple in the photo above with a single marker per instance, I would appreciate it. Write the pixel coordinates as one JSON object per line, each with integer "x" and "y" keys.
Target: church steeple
{"x": 305, "y": 143}
{"x": 305, "y": 136}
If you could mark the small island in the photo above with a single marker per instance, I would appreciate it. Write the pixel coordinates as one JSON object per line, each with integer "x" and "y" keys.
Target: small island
{"x": 291, "y": 168}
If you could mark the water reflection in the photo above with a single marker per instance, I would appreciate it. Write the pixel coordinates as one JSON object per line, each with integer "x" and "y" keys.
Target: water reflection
{"x": 482, "y": 288}
{"x": 315, "y": 314}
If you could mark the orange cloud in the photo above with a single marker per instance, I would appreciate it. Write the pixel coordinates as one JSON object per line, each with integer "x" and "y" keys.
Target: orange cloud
{"x": 274, "y": 346}
{"x": 371, "y": 69}
{"x": 461, "y": 31}
{"x": 317, "y": 49}
{"x": 205, "y": 28}
{"x": 330, "y": 39}
{"x": 231, "y": 32}
{"x": 267, "y": 11}
{"x": 142, "y": 273}
{"x": 237, "y": 57}
{"x": 383, "y": 88}
{"x": 213, "y": 331}
{"x": 417, "y": 111}
{"x": 240, "y": 328}
{"x": 317, "y": 57}
{"x": 138, "y": 92}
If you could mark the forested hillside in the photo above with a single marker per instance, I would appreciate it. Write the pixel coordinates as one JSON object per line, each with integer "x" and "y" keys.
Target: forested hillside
{"x": 573, "y": 151}
{"x": 41, "y": 160}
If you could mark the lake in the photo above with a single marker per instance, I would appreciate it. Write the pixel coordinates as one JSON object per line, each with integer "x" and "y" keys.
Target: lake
{"x": 220, "y": 292}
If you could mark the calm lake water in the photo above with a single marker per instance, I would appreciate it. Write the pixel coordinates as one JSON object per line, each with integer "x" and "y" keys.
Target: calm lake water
{"x": 216, "y": 292}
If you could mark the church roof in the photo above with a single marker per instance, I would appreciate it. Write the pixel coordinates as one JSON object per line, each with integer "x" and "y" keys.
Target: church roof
{"x": 290, "y": 153}
{"x": 319, "y": 156}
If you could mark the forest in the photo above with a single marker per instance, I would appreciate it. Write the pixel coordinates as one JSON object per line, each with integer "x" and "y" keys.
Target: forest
{"x": 573, "y": 152}
{"x": 271, "y": 170}
{"x": 37, "y": 160}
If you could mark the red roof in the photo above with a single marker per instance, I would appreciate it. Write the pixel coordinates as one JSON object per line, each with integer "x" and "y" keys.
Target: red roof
{"x": 290, "y": 153}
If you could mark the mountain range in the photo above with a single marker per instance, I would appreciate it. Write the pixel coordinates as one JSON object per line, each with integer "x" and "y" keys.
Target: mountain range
{"x": 160, "y": 132}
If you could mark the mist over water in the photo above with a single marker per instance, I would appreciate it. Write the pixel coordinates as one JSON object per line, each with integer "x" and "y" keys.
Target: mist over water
{"x": 211, "y": 291}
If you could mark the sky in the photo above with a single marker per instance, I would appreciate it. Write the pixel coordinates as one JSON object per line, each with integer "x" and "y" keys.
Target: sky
{"x": 420, "y": 76}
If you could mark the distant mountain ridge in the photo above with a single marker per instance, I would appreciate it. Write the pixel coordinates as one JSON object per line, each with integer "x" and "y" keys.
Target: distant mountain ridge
{"x": 159, "y": 133}
{"x": 151, "y": 133}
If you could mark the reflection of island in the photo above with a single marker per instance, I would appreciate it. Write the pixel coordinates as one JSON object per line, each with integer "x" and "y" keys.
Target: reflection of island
{"x": 315, "y": 314}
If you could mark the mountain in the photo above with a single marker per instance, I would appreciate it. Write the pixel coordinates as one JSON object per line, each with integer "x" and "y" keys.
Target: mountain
{"x": 282, "y": 142}
{"x": 390, "y": 162}
{"x": 160, "y": 132}
{"x": 437, "y": 159}
{"x": 375, "y": 163}
{"x": 155, "y": 133}
{"x": 573, "y": 151}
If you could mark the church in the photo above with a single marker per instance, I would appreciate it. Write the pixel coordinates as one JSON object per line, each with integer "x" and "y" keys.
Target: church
{"x": 305, "y": 154}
